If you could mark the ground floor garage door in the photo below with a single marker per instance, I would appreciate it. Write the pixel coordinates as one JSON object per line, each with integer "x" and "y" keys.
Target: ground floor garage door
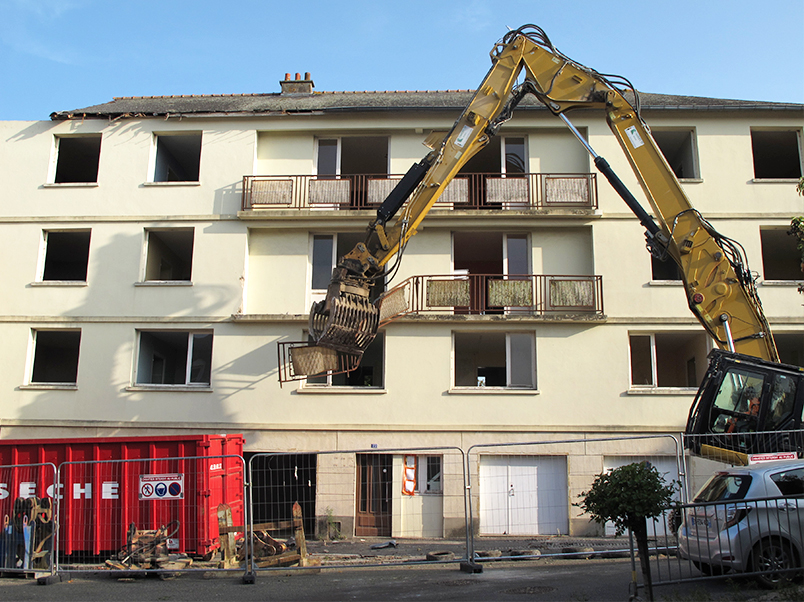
{"x": 666, "y": 466}
{"x": 523, "y": 495}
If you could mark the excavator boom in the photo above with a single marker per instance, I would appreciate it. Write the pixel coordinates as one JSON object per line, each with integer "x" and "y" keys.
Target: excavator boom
{"x": 719, "y": 287}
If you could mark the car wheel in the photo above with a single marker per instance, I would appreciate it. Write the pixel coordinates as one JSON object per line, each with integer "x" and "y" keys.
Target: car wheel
{"x": 770, "y": 556}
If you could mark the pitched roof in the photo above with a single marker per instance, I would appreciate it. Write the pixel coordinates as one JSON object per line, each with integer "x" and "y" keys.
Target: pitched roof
{"x": 328, "y": 102}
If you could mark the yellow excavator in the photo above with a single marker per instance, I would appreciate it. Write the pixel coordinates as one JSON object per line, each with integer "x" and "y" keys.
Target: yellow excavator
{"x": 720, "y": 288}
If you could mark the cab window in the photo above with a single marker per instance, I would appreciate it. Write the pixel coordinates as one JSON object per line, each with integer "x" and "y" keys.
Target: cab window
{"x": 783, "y": 398}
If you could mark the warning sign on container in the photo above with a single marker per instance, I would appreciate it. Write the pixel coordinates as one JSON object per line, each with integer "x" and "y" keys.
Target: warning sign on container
{"x": 161, "y": 486}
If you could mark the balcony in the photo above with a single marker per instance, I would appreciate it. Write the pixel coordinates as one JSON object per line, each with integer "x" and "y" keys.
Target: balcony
{"x": 470, "y": 191}
{"x": 529, "y": 295}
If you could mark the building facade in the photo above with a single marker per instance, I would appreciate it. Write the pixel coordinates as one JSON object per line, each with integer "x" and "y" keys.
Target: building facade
{"x": 162, "y": 252}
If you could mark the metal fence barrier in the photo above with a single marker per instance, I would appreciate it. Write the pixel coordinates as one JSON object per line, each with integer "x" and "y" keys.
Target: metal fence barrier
{"x": 521, "y": 493}
{"x": 353, "y": 508}
{"x": 307, "y": 507}
{"x": 154, "y": 514}
{"x": 29, "y": 518}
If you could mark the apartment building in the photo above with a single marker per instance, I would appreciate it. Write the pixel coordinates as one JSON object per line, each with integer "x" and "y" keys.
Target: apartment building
{"x": 162, "y": 254}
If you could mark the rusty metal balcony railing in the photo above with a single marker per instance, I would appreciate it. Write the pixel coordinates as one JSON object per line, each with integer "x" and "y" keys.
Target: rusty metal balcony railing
{"x": 489, "y": 294}
{"x": 470, "y": 191}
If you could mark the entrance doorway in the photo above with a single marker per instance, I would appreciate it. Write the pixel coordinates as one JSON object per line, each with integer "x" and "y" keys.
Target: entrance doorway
{"x": 373, "y": 513}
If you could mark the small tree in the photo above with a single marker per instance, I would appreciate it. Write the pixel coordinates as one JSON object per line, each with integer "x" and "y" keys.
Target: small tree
{"x": 628, "y": 496}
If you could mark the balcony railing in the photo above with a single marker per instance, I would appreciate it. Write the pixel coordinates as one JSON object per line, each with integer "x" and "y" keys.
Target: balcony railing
{"x": 490, "y": 294}
{"x": 470, "y": 191}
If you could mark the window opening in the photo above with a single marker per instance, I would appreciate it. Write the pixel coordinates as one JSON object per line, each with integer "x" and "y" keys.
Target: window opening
{"x": 515, "y": 159}
{"x": 77, "y": 159}
{"x": 666, "y": 270}
{"x": 790, "y": 348}
{"x": 776, "y": 153}
{"x": 66, "y": 255}
{"x": 169, "y": 255}
{"x": 354, "y": 159}
{"x": 327, "y": 249}
{"x": 679, "y": 150}
{"x": 171, "y": 357}
{"x": 736, "y": 405}
{"x": 495, "y": 359}
{"x": 667, "y": 359}
{"x": 781, "y": 259}
{"x": 178, "y": 158}
{"x": 783, "y": 400}
{"x": 368, "y": 374}
{"x": 427, "y": 473}
{"x": 56, "y": 356}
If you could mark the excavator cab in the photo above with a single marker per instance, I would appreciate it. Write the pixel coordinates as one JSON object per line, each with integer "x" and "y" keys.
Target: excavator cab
{"x": 747, "y": 406}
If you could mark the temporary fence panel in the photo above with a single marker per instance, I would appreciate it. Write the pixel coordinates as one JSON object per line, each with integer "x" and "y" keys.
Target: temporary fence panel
{"x": 28, "y": 517}
{"x": 383, "y": 494}
{"x": 532, "y": 488}
{"x": 101, "y": 480}
{"x": 110, "y": 508}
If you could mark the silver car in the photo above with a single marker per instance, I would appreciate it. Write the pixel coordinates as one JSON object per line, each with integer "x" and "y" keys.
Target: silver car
{"x": 749, "y": 519}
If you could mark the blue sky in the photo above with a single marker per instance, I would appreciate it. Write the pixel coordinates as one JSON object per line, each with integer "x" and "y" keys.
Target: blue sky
{"x": 65, "y": 54}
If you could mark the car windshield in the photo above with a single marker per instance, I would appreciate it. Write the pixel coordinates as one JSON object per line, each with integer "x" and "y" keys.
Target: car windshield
{"x": 723, "y": 486}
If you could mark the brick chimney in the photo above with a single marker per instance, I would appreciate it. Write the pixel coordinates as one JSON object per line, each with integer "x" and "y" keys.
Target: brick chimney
{"x": 298, "y": 85}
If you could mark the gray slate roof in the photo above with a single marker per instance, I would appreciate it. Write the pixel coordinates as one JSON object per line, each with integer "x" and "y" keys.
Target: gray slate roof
{"x": 328, "y": 102}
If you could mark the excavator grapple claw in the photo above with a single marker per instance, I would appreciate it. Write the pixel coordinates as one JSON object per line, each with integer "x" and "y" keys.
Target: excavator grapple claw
{"x": 349, "y": 326}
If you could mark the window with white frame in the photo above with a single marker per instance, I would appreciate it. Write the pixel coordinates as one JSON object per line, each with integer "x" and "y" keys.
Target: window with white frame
{"x": 55, "y": 357}
{"x": 66, "y": 255}
{"x": 174, "y": 357}
{"x": 668, "y": 359}
{"x": 169, "y": 254}
{"x": 422, "y": 475}
{"x": 324, "y": 253}
{"x": 495, "y": 359}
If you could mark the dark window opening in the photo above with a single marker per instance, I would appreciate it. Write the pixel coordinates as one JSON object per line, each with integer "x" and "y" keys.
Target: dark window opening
{"x": 78, "y": 159}
{"x": 164, "y": 356}
{"x": 678, "y": 148}
{"x": 790, "y": 347}
{"x": 178, "y": 158}
{"x": 368, "y": 374}
{"x": 664, "y": 270}
{"x": 780, "y": 257}
{"x": 667, "y": 359}
{"x": 56, "y": 356}
{"x": 494, "y": 359}
{"x": 169, "y": 254}
{"x": 323, "y": 260}
{"x": 66, "y": 255}
{"x": 776, "y": 154}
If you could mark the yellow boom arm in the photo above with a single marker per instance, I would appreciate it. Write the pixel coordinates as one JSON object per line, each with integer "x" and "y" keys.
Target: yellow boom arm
{"x": 719, "y": 288}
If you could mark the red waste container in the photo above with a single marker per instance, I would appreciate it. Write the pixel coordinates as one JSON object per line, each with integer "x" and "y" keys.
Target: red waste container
{"x": 107, "y": 484}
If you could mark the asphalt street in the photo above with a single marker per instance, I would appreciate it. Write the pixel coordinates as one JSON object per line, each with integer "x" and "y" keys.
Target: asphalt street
{"x": 545, "y": 579}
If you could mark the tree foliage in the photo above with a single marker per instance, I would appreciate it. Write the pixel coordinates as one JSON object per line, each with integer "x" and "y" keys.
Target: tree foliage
{"x": 627, "y": 496}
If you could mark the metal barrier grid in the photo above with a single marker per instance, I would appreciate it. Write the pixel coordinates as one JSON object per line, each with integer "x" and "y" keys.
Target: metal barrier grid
{"x": 531, "y": 489}
{"x": 702, "y": 526}
{"x": 388, "y": 493}
{"x": 29, "y": 522}
{"x": 146, "y": 514}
